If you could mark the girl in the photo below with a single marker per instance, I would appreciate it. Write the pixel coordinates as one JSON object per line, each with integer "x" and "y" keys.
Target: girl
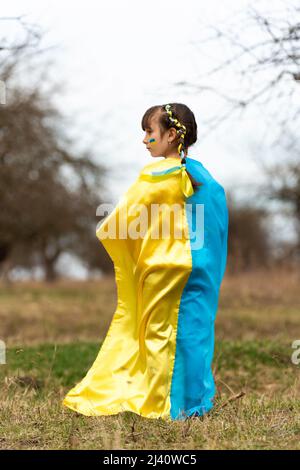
{"x": 156, "y": 358}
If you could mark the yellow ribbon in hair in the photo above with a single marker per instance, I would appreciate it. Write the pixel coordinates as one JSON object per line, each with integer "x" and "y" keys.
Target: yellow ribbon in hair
{"x": 177, "y": 123}
{"x": 186, "y": 184}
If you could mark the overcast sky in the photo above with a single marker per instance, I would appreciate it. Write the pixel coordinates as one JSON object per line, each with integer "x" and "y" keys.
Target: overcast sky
{"x": 119, "y": 58}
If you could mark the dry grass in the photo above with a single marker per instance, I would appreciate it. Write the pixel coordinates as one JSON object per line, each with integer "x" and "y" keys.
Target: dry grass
{"x": 53, "y": 333}
{"x": 33, "y": 312}
{"x": 246, "y": 423}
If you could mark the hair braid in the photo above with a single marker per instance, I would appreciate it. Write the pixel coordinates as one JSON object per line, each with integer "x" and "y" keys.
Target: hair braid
{"x": 181, "y": 130}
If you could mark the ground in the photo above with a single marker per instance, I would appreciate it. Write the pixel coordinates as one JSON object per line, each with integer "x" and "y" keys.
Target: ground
{"x": 53, "y": 333}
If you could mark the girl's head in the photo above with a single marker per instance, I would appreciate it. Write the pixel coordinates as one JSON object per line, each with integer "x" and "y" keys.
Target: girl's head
{"x": 169, "y": 129}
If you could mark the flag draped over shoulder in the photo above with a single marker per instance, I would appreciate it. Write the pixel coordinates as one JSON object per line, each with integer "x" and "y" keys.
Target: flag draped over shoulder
{"x": 168, "y": 244}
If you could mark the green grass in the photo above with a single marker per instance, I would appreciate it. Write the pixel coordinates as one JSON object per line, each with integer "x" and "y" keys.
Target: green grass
{"x": 67, "y": 362}
{"x": 249, "y": 366}
{"x": 31, "y": 415}
{"x": 64, "y": 363}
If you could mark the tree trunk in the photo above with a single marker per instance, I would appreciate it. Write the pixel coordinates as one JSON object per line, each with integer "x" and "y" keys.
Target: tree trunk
{"x": 50, "y": 273}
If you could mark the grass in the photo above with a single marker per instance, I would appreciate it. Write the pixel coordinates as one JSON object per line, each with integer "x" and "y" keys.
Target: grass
{"x": 53, "y": 334}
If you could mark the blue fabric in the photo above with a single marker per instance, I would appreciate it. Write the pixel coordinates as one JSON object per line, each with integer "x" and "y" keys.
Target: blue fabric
{"x": 193, "y": 387}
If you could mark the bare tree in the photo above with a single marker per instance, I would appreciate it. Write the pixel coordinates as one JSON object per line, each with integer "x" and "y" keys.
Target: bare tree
{"x": 249, "y": 242}
{"x": 283, "y": 185}
{"x": 261, "y": 53}
{"x": 49, "y": 191}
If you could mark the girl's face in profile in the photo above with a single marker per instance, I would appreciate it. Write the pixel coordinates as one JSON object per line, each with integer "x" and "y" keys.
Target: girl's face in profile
{"x": 156, "y": 144}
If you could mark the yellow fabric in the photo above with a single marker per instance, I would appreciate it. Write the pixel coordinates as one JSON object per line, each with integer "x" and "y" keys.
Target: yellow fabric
{"x": 133, "y": 369}
{"x": 186, "y": 185}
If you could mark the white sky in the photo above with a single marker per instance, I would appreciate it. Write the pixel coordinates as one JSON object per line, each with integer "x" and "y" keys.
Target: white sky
{"x": 119, "y": 58}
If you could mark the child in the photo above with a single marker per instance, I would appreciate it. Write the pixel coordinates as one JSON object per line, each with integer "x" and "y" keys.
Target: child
{"x": 156, "y": 357}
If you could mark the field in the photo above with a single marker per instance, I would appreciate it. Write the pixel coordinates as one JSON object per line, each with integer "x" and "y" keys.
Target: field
{"x": 53, "y": 333}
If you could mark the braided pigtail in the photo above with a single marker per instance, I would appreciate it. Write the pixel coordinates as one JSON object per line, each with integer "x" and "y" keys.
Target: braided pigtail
{"x": 181, "y": 132}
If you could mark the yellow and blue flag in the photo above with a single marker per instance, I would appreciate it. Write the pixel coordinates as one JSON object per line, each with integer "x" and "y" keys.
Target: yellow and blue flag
{"x": 156, "y": 359}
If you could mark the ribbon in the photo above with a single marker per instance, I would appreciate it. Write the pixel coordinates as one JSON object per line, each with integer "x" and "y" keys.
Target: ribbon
{"x": 186, "y": 184}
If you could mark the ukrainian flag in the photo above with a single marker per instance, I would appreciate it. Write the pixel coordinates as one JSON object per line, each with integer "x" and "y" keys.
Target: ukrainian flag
{"x": 156, "y": 359}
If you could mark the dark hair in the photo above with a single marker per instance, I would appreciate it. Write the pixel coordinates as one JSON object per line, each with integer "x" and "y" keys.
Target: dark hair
{"x": 185, "y": 116}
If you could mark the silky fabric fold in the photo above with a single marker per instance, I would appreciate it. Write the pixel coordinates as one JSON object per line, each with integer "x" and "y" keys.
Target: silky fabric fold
{"x": 156, "y": 357}
{"x": 186, "y": 184}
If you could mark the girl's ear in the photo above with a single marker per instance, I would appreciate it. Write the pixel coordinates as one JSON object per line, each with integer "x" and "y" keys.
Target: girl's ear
{"x": 172, "y": 132}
